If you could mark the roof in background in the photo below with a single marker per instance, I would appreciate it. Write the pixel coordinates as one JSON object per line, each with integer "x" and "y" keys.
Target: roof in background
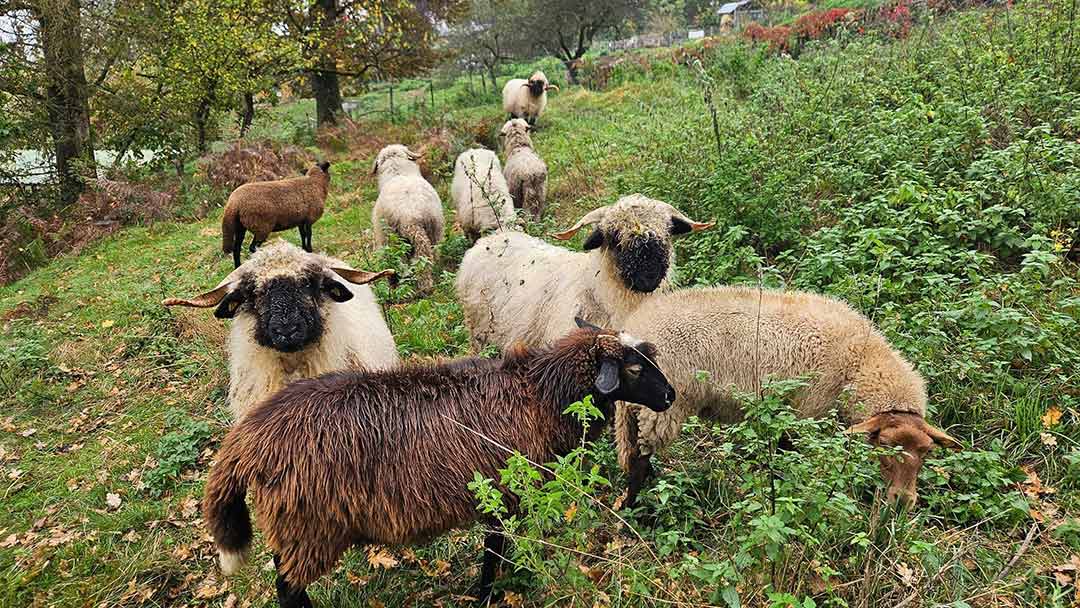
{"x": 730, "y": 7}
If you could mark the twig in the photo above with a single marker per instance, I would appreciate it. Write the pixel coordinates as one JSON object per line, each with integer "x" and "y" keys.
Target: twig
{"x": 1015, "y": 558}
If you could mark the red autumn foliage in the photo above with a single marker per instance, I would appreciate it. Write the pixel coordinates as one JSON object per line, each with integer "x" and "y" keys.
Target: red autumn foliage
{"x": 778, "y": 37}
{"x": 817, "y": 25}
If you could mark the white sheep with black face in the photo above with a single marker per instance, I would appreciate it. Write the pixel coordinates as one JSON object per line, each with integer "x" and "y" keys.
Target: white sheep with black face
{"x": 295, "y": 315}
{"x": 515, "y": 287}
{"x": 526, "y": 99}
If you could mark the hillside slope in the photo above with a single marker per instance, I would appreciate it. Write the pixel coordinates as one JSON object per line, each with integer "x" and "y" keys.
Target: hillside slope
{"x": 933, "y": 181}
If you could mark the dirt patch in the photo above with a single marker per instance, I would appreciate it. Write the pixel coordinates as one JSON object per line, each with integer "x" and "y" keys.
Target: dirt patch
{"x": 35, "y": 309}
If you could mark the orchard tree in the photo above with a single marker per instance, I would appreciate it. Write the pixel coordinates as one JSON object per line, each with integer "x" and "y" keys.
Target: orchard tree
{"x": 360, "y": 39}
{"x": 42, "y": 69}
{"x": 490, "y": 34}
{"x": 567, "y": 28}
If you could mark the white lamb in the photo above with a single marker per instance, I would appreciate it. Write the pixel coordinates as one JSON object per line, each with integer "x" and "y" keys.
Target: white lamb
{"x": 407, "y": 205}
{"x": 480, "y": 193}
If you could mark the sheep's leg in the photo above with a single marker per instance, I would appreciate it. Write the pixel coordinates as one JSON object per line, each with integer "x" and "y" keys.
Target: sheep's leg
{"x": 256, "y": 242}
{"x": 289, "y": 596}
{"x": 494, "y": 547}
{"x": 238, "y": 245}
{"x": 641, "y": 470}
{"x": 305, "y": 237}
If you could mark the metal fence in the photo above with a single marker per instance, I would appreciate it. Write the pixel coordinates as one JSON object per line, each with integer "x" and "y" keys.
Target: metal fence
{"x": 648, "y": 41}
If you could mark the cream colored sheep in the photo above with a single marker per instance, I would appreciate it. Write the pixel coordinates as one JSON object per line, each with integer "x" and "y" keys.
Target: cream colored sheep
{"x": 526, "y": 172}
{"x": 740, "y": 336}
{"x": 515, "y": 287}
{"x": 407, "y": 205}
{"x": 527, "y": 99}
{"x": 294, "y": 317}
{"x": 480, "y": 193}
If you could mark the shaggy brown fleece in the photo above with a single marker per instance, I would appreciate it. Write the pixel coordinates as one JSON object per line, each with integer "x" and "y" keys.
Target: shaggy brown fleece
{"x": 384, "y": 457}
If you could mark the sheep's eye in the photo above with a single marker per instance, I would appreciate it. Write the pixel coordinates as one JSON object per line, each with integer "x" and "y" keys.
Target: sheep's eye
{"x": 633, "y": 370}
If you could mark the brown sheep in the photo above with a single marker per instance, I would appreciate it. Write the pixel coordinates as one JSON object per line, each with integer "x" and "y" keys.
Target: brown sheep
{"x": 265, "y": 207}
{"x": 386, "y": 457}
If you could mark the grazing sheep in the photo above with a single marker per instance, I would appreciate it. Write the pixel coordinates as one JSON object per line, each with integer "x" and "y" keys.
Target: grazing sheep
{"x": 407, "y": 205}
{"x": 526, "y": 173}
{"x": 265, "y": 207}
{"x": 294, "y": 318}
{"x": 526, "y": 98}
{"x": 480, "y": 193}
{"x": 387, "y": 457}
{"x": 739, "y": 336}
{"x": 515, "y": 287}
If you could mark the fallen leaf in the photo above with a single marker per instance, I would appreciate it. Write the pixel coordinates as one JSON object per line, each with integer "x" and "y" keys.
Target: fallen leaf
{"x": 907, "y": 575}
{"x": 230, "y": 602}
{"x": 571, "y": 511}
{"x": 27, "y": 432}
{"x": 107, "y": 323}
{"x": 10, "y": 541}
{"x": 209, "y": 589}
{"x": 113, "y": 500}
{"x": 1051, "y": 417}
{"x": 514, "y": 600}
{"x": 1048, "y": 439}
{"x": 189, "y": 508}
{"x": 374, "y": 603}
{"x": 358, "y": 581}
{"x": 379, "y": 557}
{"x": 130, "y": 537}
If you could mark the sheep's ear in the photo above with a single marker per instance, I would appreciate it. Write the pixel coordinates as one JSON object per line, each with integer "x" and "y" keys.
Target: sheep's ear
{"x": 583, "y": 324}
{"x": 335, "y": 290}
{"x": 680, "y": 224}
{"x": 205, "y": 300}
{"x": 607, "y": 381}
{"x": 325, "y": 166}
{"x": 229, "y": 305}
{"x": 362, "y": 277}
{"x": 596, "y": 239}
{"x": 870, "y": 426}
{"x": 942, "y": 438}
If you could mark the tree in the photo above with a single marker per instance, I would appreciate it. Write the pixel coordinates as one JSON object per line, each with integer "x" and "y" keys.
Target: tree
{"x": 490, "y": 34}
{"x": 567, "y": 28}
{"x": 360, "y": 39}
{"x": 41, "y": 62}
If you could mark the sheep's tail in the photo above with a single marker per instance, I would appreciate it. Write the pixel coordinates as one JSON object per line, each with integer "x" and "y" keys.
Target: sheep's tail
{"x": 225, "y": 511}
{"x": 421, "y": 247}
{"x": 626, "y": 434}
{"x": 229, "y": 220}
{"x": 533, "y": 194}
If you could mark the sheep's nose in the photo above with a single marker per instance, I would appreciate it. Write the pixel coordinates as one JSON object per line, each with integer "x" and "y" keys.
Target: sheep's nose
{"x": 670, "y": 396}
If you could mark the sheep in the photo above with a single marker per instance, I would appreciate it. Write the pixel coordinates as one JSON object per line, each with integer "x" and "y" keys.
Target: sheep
{"x": 407, "y": 205}
{"x": 265, "y": 207}
{"x": 525, "y": 171}
{"x": 480, "y": 193}
{"x": 527, "y": 98}
{"x": 387, "y": 457}
{"x": 514, "y": 287}
{"x": 739, "y": 336}
{"x": 294, "y": 318}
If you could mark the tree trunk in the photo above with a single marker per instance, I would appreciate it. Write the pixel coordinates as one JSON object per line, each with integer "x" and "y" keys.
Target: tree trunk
{"x": 247, "y": 115}
{"x": 494, "y": 85}
{"x": 202, "y": 117}
{"x": 572, "y": 67}
{"x": 324, "y": 78}
{"x": 327, "y": 92}
{"x": 67, "y": 96}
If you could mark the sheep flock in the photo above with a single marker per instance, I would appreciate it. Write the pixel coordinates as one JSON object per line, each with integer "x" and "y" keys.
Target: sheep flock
{"x": 340, "y": 442}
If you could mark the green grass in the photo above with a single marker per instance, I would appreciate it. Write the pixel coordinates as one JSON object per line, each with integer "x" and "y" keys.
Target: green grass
{"x": 932, "y": 182}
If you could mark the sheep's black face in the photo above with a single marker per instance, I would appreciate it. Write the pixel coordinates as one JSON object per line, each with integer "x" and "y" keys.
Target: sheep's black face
{"x": 536, "y": 87}
{"x": 287, "y": 316}
{"x": 642, "y": 261}
{"x": 642, "y": 381}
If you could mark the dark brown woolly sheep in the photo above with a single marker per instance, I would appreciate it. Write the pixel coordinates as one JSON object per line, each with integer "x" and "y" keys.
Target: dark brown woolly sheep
{"x": 386, "y": 457}
{"x": 265, "y": 207}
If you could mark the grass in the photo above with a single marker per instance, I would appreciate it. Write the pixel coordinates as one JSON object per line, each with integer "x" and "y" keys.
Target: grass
{"x": 931, "y": 181}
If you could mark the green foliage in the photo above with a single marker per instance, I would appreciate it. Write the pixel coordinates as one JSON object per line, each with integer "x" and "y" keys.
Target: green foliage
{"x": 177, "y": 451}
